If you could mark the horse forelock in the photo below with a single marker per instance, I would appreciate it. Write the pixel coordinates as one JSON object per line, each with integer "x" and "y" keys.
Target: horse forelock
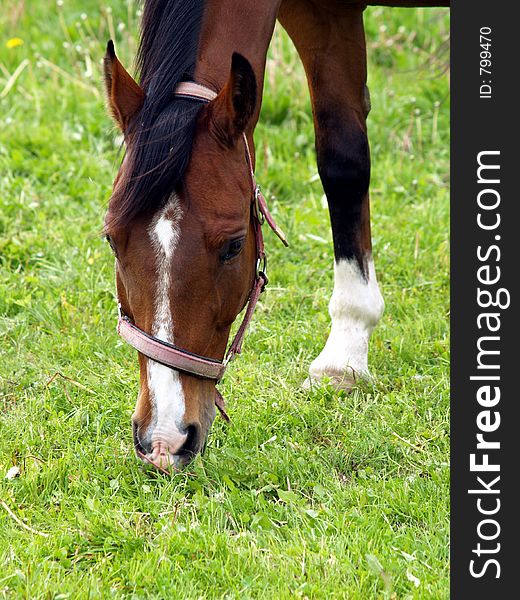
{"x": 160, "y": 136}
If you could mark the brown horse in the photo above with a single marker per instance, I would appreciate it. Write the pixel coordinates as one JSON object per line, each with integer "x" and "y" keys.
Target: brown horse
{"x": 183, "y": 219}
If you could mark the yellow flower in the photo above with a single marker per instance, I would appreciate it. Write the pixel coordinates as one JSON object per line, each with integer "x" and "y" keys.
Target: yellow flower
{"x": 13, "y": 42}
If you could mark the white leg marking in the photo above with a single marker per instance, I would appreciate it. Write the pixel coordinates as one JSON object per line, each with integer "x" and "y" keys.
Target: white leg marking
{"x": 164, "y": 384}
{"x": 355, "y": 307}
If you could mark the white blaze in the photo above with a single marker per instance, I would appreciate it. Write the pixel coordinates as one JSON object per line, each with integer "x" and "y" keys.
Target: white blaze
{"x": 164, "y": 384}
{"x": 355, "y": 307}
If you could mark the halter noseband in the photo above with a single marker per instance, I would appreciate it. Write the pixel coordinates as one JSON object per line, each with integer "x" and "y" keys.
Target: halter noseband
{"x": 179, "y": 358}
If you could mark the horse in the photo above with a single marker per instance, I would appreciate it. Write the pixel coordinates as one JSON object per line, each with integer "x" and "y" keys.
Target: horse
{"x": 184, "y": 220}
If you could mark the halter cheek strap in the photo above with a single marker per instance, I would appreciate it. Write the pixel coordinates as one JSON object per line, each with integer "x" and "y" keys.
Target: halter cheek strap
{"x": 179, "y": 358}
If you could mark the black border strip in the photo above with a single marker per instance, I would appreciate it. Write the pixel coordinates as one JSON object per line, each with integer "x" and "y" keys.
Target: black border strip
{"x": 484, "y": 124}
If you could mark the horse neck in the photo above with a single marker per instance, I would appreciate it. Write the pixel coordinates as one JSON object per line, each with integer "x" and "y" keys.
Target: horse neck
{"x": 229, "y": 26}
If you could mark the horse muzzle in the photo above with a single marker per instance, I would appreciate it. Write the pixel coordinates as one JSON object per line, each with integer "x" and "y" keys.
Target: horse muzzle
{"x": 173, "y": 451}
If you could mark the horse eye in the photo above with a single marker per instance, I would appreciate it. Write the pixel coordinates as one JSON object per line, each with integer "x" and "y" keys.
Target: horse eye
{"x": 111, "y": 243}
{"x": 232, "y": 249}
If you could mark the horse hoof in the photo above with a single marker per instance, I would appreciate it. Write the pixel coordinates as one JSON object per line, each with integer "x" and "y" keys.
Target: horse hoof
{"x": 339, "y": 380}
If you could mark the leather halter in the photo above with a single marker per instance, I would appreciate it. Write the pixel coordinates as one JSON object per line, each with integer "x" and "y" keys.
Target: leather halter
{"x": 179, "y": 358}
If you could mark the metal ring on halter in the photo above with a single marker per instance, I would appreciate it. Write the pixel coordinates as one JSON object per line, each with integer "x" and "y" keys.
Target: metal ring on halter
{"x": 261, "y": 266}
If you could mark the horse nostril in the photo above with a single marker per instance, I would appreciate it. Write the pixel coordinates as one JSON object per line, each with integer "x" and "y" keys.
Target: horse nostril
{"x": 191, "y": 443}
{"x": 138, "y": 444}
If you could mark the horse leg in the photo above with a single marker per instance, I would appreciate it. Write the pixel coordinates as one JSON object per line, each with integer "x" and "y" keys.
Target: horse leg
{"x": 332, "y": 48}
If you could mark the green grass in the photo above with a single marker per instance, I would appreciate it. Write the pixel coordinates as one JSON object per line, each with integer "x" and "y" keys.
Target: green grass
{"x": 318, "y": 495}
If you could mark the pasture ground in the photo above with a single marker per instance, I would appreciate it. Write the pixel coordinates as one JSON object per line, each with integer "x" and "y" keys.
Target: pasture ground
{"x": 304, "y": 495}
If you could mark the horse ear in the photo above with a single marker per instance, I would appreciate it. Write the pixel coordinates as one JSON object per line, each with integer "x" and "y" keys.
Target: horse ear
{"x": 233, "y": 108}
{"x": 124, "y": 95}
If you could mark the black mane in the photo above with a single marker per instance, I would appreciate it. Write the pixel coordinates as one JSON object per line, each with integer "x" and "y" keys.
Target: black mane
{"x": 162, "y": 132}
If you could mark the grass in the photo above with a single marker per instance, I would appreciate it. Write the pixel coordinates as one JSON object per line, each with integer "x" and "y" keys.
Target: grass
{"x": 318, "y": 495}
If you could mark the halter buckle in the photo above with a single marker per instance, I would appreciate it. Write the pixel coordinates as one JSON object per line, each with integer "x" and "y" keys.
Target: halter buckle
{"x": 260, "y": 217}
